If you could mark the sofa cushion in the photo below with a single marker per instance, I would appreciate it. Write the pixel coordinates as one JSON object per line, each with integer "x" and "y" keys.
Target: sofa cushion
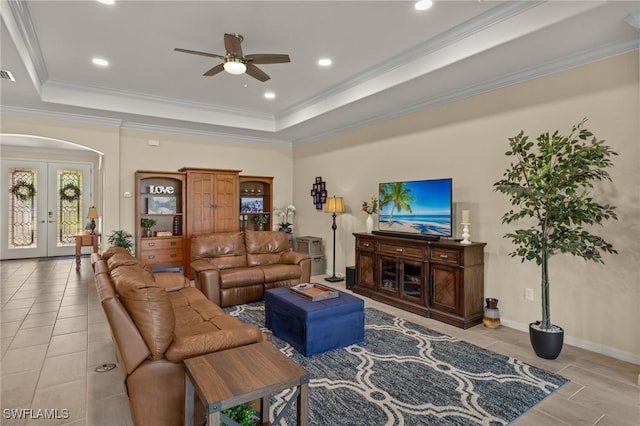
{"x": 265, "y": 247}
{"x": 119, "y": 258}
{"x": 148, "y": 305}
{"x": 222, "y": 250}
{"x": 240, "y": 277}
{"x": 280, "y": 272}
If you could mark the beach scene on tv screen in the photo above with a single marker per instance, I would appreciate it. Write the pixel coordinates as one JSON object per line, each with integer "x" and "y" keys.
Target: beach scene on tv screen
{"x": 418, "y": 207}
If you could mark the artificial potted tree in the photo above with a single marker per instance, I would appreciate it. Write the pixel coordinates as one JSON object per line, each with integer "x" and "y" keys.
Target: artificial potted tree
{"x": 549, "y": 184}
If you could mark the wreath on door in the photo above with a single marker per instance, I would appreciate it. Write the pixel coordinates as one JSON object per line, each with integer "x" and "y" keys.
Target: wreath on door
{"x": 70, "y": 192}
{"x": 23, "y": 191}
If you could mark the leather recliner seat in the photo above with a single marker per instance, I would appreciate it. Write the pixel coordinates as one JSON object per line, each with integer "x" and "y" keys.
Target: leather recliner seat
{"x": 237, "y": 267}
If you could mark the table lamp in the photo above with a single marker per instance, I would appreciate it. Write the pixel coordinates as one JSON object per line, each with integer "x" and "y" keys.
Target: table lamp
{"x": 93, "y": 215}
{"x": 334, "y": 205}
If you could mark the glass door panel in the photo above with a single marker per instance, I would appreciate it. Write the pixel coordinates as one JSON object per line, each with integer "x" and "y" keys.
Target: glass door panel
{"x": 43, "y": 204}
{"x": 412, "y": 281}
{"x": 389, "y": 274}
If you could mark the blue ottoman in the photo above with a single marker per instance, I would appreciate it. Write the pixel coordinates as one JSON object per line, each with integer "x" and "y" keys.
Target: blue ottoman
{"x": 314, "y": 327}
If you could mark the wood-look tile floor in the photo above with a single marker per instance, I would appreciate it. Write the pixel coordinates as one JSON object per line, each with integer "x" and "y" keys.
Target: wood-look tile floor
{"x": 54, "y": 334}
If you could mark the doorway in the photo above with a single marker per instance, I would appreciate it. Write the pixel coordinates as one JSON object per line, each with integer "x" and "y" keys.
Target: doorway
{"x": 43, "y": 204}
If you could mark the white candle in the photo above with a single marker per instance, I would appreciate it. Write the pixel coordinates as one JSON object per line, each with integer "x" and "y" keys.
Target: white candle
{"x": 465, "y": 216}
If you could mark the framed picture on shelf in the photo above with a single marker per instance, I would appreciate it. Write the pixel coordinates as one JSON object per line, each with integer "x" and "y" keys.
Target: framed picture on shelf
{"x": 161, "y": 205}
{"x": 251, "y": 205}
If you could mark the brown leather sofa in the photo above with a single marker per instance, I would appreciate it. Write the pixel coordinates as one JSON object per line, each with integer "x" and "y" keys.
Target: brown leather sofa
{"x": 157, "y": 321}
{"x": 237, "y": 267}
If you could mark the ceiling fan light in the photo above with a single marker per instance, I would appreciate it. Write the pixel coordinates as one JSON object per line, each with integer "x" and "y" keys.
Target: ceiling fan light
{"x": 235, "y": 66}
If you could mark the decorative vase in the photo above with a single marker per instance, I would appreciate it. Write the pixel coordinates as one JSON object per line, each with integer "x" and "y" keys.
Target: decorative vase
{"x": 369, "y": 223}
{"x": 261, "y": 227}
{"x": 491, "y": 318}
{"x": 148, "y": 233}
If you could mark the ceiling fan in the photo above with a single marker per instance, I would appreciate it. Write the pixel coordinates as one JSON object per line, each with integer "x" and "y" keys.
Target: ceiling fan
{"x": 235, "y": 62}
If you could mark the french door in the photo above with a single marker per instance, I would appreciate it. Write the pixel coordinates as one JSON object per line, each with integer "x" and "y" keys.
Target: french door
{"x": 43, "y": 205}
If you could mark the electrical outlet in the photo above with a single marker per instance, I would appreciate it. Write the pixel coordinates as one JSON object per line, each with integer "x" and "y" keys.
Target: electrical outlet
{"x": 528, "y": 293}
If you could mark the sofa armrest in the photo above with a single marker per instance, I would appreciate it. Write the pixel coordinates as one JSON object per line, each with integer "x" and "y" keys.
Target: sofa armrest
{"x": 293, "y": 257}
{"x": 184, "y": 347}
{"x": 171, "y": 281}
{"x": 208, "y": 282}
{"x": 200, "y": 265}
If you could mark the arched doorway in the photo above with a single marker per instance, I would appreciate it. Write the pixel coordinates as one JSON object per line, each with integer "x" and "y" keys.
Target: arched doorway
{"x": 49, "y": 187}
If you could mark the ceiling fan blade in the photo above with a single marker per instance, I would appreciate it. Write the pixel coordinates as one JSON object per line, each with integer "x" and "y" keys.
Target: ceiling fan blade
{"x": 256, "y": 72}
{"x": 215, "y": 70}
{"x": 195, "y": 52}
{"x": 232, "y": 44}
{"x": 268, "y": 58}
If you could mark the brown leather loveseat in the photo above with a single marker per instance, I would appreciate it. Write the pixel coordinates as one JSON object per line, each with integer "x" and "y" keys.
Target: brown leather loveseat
{"x": 237, "y": 267}
{"x": 157, "y": 321}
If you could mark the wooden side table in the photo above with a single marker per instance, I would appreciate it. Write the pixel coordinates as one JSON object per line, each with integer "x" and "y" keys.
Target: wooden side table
{"x": 85, "y": 239}
{"x": 235, "y": 376}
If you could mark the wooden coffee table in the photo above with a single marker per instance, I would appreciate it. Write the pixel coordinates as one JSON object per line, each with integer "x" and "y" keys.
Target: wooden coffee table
{"x": 235, "y": 376}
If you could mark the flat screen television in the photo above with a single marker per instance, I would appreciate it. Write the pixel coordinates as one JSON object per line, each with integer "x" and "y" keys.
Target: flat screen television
{"x": 416, "y": 208}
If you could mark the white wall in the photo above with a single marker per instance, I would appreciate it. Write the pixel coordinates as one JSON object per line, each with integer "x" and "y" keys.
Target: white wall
{"x": 598, "y": 305}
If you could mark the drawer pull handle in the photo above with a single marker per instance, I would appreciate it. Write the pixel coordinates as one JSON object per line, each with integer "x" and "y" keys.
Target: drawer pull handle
{"x": 152, "y": 244}
{"x": 151, "y": 256}
{"x": 173, "y": 243}
{"x": 399, "y": 250}
{"x": 444, "y": 256}
{"x": 173, "y": 255}
{"x": 366, "y": 244}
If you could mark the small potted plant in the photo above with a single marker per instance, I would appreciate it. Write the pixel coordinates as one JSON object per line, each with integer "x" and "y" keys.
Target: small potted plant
{"x": 261, "y": 220}
{"x": 370, "y": 207}
{"x": 121, "y": 238}
{"x": 147, "y": 224}
{"x": 286, "y": 217}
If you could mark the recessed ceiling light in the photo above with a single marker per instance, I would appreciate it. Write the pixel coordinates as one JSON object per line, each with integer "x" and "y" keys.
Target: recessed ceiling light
{"x": 100, "y": 62}
{"x": 107, "y": 1}
{"x": 325, "y": 62}
{"x": 269, "y": 95}
{"x": 423, "y": 4}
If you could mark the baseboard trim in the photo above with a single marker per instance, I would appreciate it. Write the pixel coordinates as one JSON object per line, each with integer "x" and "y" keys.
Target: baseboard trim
{"x": 583, "y": 344}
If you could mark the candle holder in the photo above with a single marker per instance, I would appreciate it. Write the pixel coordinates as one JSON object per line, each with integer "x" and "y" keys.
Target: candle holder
{"x": 465, "y": 234}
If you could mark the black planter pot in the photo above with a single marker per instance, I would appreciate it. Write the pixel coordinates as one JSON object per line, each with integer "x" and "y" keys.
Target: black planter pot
{"x": 546, "y": 344}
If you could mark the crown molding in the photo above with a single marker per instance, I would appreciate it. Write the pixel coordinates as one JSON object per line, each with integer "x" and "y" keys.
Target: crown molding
{"x": 566, "y": 63}
{"x": 211, "y": 134}
{"x": 17, "y": 19}
{"x": 470, "y": 38}
{"x": 123, "y": 124}
{"x": 56, "y": 115}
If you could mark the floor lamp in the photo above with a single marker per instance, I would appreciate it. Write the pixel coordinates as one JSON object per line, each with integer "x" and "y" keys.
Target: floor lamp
{"x": 334, "y": 205}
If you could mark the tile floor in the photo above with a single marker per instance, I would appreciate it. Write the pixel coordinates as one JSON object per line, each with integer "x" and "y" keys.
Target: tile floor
{"x": 54, "y": 335}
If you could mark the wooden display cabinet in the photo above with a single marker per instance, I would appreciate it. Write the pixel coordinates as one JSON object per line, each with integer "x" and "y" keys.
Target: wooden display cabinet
{"x": 255, "y": 199}
{"x": 211, "y": 204}
{"x": 160, "y": 196}
{"x": 443, "y": 280}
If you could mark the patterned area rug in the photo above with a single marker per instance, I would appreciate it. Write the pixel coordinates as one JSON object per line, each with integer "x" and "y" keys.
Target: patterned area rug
{"x": 406, "y": 374}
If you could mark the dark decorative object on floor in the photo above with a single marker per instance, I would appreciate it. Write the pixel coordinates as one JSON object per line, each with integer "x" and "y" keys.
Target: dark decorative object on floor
{"x": 404, "y": 373}
{"x": 334, "y": 205}
{"x": 550, "y": 182}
